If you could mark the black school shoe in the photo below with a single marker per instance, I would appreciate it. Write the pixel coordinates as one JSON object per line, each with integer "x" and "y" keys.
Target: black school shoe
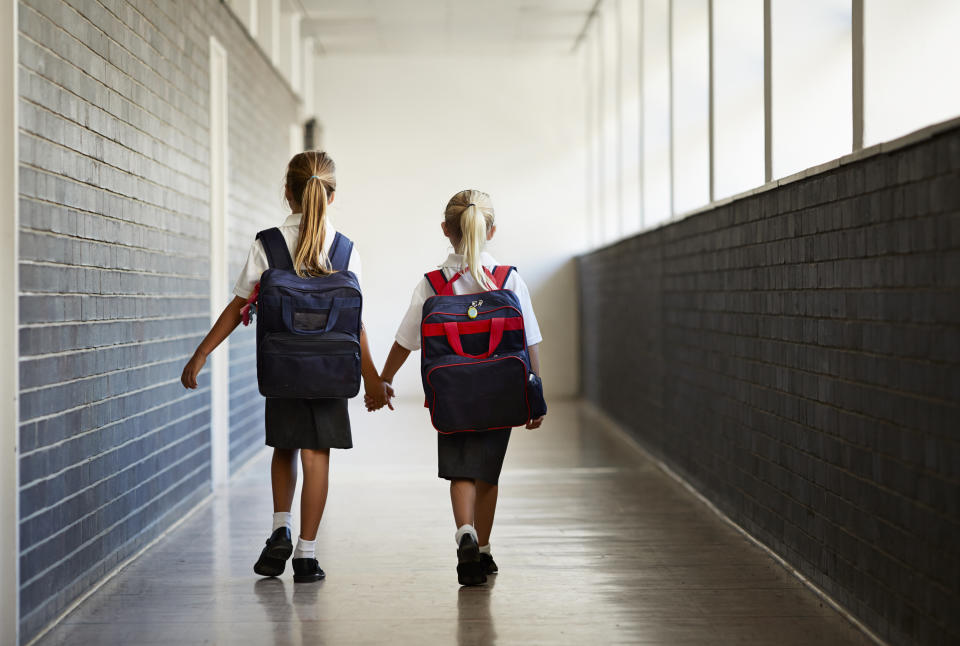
{"x": 470, "y": 570}
{"x": 489, "y": 565}
{"x": 307, "y": 570}
{"x": 273, "y": 558}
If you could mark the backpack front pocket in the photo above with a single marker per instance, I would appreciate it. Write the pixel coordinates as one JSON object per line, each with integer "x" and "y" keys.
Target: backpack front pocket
{"x": 296, "y": 366}
{"x": 476, "y": 395}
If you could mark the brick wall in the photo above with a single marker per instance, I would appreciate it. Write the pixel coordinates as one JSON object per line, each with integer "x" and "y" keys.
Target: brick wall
{"x": 796, "y": 356}
{"x": 114, "y": 147}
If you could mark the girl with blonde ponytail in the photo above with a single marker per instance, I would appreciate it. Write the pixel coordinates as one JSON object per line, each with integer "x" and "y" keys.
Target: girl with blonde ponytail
{"x": 308, "y": 427}
{"x": 471, "y": 461}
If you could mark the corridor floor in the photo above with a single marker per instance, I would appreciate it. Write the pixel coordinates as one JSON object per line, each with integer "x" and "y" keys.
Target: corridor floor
{"x": 595, "y": 546}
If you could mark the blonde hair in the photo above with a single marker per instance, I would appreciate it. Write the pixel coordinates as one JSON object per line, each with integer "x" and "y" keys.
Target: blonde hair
{"x": 469, "y": 218}
{"x": 311, "y": 179}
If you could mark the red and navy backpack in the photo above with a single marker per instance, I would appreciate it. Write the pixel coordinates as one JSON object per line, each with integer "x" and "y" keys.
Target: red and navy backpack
{"x": 474, "y": 361}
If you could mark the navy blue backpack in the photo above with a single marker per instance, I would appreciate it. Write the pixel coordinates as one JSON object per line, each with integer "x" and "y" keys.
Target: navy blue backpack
{"x": 474, "y": 361}
{"x": 308, "y": 329}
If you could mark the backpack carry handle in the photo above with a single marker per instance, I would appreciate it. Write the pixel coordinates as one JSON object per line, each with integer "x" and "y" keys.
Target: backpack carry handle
{"x": 452, "y": 330}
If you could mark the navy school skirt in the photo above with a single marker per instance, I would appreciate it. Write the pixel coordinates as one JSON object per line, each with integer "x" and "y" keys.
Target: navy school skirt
{"x": 308, "y": 424}
{"x": 476, "y": 455}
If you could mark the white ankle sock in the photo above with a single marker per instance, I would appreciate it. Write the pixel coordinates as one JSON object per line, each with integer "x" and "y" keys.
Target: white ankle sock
{"x": 305, "y": 549}
{"x": 465, "y": 529}
{"x": 485, "y": 549}
{"x": 282, "y": 519}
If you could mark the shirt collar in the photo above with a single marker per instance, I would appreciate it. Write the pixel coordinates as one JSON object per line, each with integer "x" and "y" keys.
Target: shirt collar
{"x": 293, "y": 220}
{"x": 456, "y": 260}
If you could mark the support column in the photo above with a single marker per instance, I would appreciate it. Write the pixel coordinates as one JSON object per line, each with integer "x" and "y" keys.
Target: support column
{"x": 9, "y": 320}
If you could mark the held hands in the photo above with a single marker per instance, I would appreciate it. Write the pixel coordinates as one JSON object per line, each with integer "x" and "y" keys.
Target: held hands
{"x": 378, "y": 394}
{"x": 192, "y": 369}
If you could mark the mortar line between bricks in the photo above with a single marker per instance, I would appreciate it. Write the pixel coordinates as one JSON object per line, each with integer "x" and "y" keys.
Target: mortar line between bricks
{"x": 126, "y": 124}
{"x": 106, "y": 191}
{"x": 914, "y": 324}
{"x": 98, "y": 241}
{"x": 812, "y": 346}
{"x": 134, "y": 152}
{"x": 100, "y": 348}
{"x": 158, "y": 54}
{"x": 89, "y": 431}
{"x": 99, "y": 375}
{"x": 107, "y": 61}
{"x": 122, "y": 420}
{"x": 178, "y": 296}
{"x": 73, "y": 494}
{"x": 706, "y": 469}
{"x": 81, "y": 406}
{"x": 886, "y": 389}
{"x": 138, "y": 108}
{"x": 165, "y": 189}
{"x": 146, "y": 319}
{"x": 172, "y": 487}
{"x": 66, "y": 607}
{"x": 612, "y": 250}
{"x": 873, "y": 483}
{"x": 104, "y": 269}
{"x": 107, "y": 216}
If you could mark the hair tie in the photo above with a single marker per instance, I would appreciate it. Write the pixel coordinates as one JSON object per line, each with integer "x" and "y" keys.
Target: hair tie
{"x": 312, "y": 176}
{"x": 469, "y": 205}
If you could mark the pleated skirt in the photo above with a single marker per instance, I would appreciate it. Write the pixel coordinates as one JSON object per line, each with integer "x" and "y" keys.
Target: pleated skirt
{"x": 476, "y": 455}
{"x": 308, "y": 424}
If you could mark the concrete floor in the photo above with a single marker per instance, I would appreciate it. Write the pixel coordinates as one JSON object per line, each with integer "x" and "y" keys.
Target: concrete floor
{"x": 595, "y": 546}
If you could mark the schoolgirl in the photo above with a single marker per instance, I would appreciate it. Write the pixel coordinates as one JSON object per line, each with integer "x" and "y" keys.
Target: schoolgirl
{"x": 470, "y": 461}
{"x": 310, "y": 427}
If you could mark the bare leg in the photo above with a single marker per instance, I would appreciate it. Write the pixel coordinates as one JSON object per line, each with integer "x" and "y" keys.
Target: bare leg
{"x": 283, "y": 478}
{"x": 486, "y": 507}
{"x": 313, "y": 497}
{"x": 463, "y": 495}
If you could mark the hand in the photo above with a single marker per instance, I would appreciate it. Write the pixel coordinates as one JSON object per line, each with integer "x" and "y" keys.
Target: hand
{"x": 535, "y": 423}
{"x": 192, "y": 369}
{"x": 377, "y": 395}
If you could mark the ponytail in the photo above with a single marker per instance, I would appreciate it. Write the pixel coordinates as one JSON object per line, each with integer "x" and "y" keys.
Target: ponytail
{"x": 311, "y": 176}
{"x": 469, "y": 217}
{"x": 473, "y": 237}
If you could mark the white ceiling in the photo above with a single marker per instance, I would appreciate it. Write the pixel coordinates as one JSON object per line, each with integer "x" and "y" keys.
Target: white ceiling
{"x": 450, "y": 27}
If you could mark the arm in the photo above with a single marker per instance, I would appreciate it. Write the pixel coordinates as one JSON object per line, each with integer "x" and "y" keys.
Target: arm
{"x": 398, "y": 354}
{"x": 375, "y": 393}
{"x": 534, "y": 352}
{"x": 227, "y": 322}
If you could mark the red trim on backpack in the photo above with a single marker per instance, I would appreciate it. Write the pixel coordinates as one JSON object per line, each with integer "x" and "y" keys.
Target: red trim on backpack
{"x": 437, "y": 280}
{"x": 500, "y": 275}
{"x": 472, "y": 327}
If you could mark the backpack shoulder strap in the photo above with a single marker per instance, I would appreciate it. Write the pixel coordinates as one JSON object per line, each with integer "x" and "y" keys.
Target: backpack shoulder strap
{"x": 278, "y": 256}
{"x": 500, "y": 275}
{"x": 340, "y": 252}
{"x": 437, "y": 280}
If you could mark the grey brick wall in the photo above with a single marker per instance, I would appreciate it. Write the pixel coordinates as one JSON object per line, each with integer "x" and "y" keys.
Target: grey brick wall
{"x": 796, "y": 356}
{"x": 114, "y": 147}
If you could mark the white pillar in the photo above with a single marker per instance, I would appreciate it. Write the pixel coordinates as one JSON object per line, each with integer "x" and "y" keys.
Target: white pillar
{"x": 268, "y": 28}
{"x": 9, "y": 319}
{"x": 219, "y": 295}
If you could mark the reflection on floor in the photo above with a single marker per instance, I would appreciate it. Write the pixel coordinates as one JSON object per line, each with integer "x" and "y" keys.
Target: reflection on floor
{"x": 595, "y": 546}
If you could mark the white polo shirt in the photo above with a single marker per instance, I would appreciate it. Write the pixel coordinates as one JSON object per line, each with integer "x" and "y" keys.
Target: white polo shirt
{"x": 257, "y": 257}
{"x": 408, "y": 335}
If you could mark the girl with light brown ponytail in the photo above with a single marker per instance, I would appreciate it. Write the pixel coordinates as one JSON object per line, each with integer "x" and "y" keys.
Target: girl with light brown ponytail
{"x": 310, "y": 427}
{"x": 471, "y": 461}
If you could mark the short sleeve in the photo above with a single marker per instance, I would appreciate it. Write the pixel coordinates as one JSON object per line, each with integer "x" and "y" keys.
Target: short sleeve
{"x": 526, "y": 305}
{"x": 408, "y": 334}
{"x": 250, "y": 274}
